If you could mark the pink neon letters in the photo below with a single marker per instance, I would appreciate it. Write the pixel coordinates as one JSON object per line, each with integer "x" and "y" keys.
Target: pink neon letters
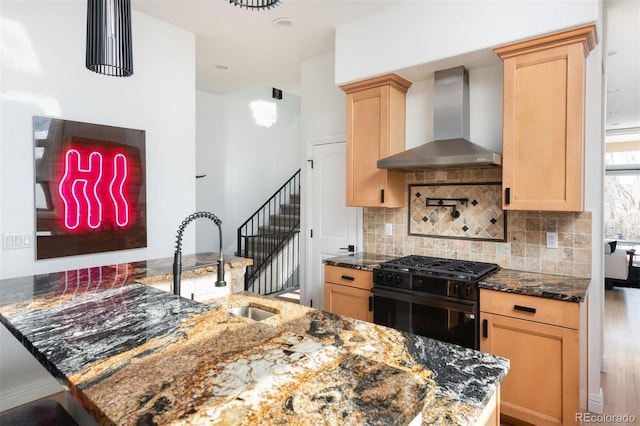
{"x": 92, "y": 190}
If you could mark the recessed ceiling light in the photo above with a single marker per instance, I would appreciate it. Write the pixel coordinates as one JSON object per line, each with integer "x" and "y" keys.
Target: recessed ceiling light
{"x": 614, "y": 112}
{"x": 613, "y": 90}
{"x": 614, "y": 124}
{"x": 283, "y": 22}
{"x": 612, "y": 53}
{"x": 222, "y": 67}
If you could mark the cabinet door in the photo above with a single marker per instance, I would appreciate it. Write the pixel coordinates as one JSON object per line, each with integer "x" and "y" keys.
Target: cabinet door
{"x": 542, "y": 385}
{"x": 348, "y": 301}
{"x": 366, "y": 123}
{"x": 376, "y": 113}
{"x": 543, "y": 122}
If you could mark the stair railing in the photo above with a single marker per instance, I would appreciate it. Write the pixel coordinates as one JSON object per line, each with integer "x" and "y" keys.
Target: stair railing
{"x": 271, "y": 238}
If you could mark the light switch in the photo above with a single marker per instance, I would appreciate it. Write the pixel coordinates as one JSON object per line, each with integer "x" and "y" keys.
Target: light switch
{"x": 552, "y": 240}
{"x": 7, "y": 240}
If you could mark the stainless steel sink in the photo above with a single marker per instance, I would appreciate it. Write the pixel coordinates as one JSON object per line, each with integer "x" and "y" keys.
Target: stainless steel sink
{"x": 250, "y": 312}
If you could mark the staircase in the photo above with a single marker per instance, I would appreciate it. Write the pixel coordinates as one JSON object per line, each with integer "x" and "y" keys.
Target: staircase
{"x": 271, "y": 238}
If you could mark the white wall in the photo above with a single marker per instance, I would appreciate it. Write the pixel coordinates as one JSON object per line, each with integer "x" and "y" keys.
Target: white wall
{"x": 245, "y": 162}
{"x": 210, "y": 131}
{"x": 419, "y": 32}
{"x": 43, "y": 73}
{"x": 324, "y": 114}
{"x": 485, "y": 108}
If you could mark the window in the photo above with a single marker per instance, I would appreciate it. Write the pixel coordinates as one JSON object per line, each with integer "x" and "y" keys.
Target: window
{"x": 622, "y": 195}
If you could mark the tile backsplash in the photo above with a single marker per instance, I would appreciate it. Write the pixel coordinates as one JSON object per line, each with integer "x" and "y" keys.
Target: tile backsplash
{"x": 525, "y": 247}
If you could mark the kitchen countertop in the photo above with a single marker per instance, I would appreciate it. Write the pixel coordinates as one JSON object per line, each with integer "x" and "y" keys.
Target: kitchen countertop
{"x": 559, "y": 287}
{"x": 362, "y": 260}
{"x": 133, "y": 354}
{"x": 550, "y": 286}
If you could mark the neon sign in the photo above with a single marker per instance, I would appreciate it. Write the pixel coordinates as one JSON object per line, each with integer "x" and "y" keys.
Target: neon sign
{"x": 92, "y": 189}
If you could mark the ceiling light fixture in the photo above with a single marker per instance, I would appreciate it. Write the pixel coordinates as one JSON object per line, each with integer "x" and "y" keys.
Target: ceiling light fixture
{"x": 109, "y": 47}
{"x": 255, "y": 4}
{"x": 283, "y": 23}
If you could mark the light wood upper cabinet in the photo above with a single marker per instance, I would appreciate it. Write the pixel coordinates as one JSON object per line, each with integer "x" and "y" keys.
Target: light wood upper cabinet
{"x": 376, "y": 115}
{"x": 543, "y": 122}
{"x": 347, "y": 292}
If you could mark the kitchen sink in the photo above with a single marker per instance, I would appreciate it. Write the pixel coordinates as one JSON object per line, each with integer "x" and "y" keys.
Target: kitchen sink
{"x": 250, "y": 312}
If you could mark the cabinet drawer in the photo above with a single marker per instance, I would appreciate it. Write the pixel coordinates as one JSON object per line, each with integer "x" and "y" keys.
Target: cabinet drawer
{"x": 531, "y": 308}
{"x": 348, "y": 276}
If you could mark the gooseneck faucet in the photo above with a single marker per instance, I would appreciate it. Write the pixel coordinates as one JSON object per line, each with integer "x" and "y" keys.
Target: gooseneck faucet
{"x": 177, "y": 257}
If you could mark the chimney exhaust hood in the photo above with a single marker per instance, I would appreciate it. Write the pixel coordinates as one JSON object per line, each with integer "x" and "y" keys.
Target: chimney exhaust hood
{"x": 452, "y": 148}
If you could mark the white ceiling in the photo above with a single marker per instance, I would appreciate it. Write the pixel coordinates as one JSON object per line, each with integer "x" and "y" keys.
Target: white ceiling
{"x": 258, "y": 52}
{"x": 246, "y": 41}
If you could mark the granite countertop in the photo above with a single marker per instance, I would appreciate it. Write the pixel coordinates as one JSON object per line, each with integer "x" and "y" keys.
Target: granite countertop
{"x": 559, "y": 287}
{"x": 364, "y": 261}
{"x": 133, "y": 354}
{"x": 193, "y": 265}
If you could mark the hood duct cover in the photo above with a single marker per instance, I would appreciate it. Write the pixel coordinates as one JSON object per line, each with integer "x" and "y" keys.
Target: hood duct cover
{"x": 452, "y": 148}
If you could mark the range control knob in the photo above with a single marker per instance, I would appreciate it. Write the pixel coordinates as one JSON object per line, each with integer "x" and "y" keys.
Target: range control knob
{"x": 379, "y": 277}
{"x": 387, "y": 277}
{"x": 455, "y": 289}
{"x": 398, "y": 279}
{"x": 468, "y": 290}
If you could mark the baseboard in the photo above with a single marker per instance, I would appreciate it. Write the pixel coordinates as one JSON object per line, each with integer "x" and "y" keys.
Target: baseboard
{"x": 596, "y": 403}
{"x": 603, "y": 363}
{"x": 30, "y": 392}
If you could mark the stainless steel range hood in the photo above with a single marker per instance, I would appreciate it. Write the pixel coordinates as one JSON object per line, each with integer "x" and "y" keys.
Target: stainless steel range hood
{"x": 452, "y": 148}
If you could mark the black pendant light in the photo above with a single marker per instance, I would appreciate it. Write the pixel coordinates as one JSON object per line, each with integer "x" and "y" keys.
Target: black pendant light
{"x": 109, "y": 47}
{"x": 255, "y": 4}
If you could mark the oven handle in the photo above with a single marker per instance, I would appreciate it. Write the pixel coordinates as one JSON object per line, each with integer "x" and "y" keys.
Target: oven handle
{"x": 464, "y": 306}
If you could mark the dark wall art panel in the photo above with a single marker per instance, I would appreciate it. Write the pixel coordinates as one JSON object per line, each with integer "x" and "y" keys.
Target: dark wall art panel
{"x": 90, "y": 191}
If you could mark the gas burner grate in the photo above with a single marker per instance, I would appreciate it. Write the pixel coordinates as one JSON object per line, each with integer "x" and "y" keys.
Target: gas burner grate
{"x": 441, "y": 267}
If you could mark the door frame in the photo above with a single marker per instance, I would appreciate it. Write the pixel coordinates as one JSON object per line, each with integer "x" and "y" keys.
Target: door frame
{"x": 305, "y": 227}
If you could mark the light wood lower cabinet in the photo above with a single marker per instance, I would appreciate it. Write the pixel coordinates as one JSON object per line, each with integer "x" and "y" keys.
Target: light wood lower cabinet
{"x": 347, "y": 292}
{"x": 541, "y": 339}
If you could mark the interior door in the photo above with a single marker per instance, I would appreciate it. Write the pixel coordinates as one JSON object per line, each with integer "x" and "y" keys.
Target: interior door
{"x": 334, "y": 225}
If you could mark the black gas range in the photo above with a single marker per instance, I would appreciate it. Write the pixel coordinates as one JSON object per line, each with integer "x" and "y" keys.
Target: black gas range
{"x": 430, "y": 296}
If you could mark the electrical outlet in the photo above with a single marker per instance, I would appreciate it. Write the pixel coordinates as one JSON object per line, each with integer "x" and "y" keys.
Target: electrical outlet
{"x": 388, "y": 229}
{"x": 552, "y": 240}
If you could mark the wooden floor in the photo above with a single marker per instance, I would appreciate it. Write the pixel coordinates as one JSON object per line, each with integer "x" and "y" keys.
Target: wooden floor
{"x": 621, "y": 383}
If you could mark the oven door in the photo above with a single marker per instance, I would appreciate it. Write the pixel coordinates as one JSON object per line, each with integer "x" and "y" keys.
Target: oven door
{"x": 450, "y": 320}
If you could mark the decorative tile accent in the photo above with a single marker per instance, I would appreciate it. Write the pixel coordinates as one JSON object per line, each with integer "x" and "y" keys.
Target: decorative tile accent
{"x": 438, "y": 215}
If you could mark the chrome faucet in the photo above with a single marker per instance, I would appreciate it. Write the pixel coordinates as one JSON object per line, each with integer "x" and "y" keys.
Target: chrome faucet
{"x": 177, "y": 257}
